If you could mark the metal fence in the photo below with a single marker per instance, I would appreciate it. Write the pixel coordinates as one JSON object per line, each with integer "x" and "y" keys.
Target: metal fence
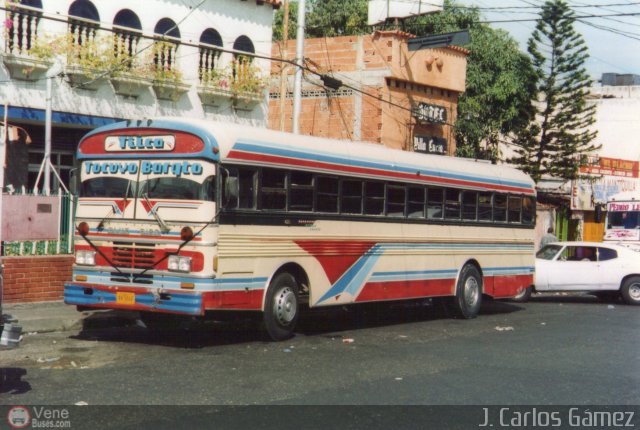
{"x": 63, "y": 244}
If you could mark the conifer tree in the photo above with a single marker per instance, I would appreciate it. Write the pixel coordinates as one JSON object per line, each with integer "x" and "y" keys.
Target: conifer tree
{"x": 559, "y": 134}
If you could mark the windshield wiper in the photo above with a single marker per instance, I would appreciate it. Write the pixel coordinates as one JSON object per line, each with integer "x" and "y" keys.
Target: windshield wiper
{"x": 163, "y": 225}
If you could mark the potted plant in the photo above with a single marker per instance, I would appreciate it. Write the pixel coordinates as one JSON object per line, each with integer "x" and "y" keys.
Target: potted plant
{"x": 247, "y": 86}
{"x": 31, "y": 64}
{"x": 215, "y": 87}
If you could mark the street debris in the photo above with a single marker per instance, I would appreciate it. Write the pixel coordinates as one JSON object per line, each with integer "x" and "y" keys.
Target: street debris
{"x": 611, "y": 307}
{"x": 399, "y": 379}
{"x": 286, "y": 350}
{"x": 347, "y": 340}
{"x": 82, "y": 403}
{"x": 500, "y": 328}
{"x": 48, "y": 360}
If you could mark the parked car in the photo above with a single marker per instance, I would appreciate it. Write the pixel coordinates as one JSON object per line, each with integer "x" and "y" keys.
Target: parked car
{"x": 607, "y": 270}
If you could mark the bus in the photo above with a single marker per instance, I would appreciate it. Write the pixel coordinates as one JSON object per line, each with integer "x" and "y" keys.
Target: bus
{"x": 622, "y": 224}
{"x": 181, "y": 217}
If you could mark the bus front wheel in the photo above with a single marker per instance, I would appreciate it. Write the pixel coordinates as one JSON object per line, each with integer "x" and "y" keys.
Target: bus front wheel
{"x": 466, "y": 303}
{"x": 281, "y": 308}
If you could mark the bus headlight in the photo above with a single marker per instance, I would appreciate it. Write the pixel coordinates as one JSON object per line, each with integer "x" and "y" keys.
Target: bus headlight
{"x": 179, "y": 264}
{"x": 86, "y": 258}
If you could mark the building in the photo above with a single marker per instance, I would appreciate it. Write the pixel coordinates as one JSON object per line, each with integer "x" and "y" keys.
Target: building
{"x": 615, "y": 168}
{"x": 390, "y": 93}
{"x": 119, "y": 59}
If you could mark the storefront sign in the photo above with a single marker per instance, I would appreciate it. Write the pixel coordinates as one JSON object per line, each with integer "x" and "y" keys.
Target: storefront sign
{"x": 613, "y": 167}
{"x": 425, "y": 112}
{"x": 430, "y": 145}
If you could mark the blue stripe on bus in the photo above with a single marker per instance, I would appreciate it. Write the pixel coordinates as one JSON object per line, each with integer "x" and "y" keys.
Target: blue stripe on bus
{"x": 287, "y": 151}
{"x": 182, "y": 303}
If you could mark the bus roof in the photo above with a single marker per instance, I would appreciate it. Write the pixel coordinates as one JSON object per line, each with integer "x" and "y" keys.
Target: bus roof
{"x": 240, "y": 144}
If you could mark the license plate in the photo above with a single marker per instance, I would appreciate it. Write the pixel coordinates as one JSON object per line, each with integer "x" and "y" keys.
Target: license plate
{"x": 125, "y": 298}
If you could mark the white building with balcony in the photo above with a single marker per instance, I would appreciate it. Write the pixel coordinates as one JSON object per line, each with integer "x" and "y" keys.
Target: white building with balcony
{"x": 122, "y": 59}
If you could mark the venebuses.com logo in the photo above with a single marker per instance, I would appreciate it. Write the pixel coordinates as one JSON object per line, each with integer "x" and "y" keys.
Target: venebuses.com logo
{"x": 20, "y": 417}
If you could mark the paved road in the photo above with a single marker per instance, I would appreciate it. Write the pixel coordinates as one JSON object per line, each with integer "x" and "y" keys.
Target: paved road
{"x": 552, "y": 351}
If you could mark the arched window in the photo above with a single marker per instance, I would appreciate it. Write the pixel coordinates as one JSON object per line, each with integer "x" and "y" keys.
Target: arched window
{"x": 242, "y": 70}
{"x": 127, "y": 31}
{"x": 22, "y": 26}
{"x": 84, "y": 21}
{"x": 208, "y": 55}
{"x": 166, "y": 44}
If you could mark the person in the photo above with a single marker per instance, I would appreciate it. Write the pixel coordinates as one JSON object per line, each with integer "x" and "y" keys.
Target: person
{"x": 548, "y": 238}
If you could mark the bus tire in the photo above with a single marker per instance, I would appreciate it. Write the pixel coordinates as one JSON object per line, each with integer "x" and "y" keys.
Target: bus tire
{"x": 630, "y": 290}
{"x": 523, "y": 296}
{"x": 466, "y": 303}
{"x": 282, "y": 307}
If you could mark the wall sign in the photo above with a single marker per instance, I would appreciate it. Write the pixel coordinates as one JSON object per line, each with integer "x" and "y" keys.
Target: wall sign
{"x": 430, "y": 145}
{"x": 425, "y": 112}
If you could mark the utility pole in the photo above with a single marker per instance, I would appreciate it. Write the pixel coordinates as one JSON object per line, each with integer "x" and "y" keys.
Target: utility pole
{"x": 297, "y": 88}
{"x": 284, "y": 65}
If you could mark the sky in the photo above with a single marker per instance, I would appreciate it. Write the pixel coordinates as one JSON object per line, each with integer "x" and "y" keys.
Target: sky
{"x": 615, "y": 49}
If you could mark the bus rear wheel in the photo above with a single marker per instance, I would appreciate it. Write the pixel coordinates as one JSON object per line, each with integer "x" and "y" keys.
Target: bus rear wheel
{"x": 466, "y": 303}
{"x": 282, "y": 307}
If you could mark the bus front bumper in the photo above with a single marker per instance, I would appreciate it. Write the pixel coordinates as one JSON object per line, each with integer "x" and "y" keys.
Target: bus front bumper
{"x": 138, "y": 299}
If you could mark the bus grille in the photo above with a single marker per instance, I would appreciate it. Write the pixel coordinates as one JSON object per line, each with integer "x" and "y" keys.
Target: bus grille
{"x": 133, "y": 255}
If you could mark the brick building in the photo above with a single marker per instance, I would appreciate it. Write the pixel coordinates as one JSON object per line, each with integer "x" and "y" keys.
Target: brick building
{"x": 404, "y": 98}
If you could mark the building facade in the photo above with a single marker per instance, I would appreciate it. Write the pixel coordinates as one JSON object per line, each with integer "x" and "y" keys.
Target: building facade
{"x": 402, "y": 98}
{"x": 118, "y": 59}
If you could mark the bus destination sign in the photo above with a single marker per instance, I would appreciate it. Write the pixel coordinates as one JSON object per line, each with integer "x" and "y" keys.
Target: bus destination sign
{"x": 139, "y": 143}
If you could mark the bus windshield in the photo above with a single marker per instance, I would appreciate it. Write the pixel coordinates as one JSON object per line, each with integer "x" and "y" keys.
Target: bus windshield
{"x": 177, "y": 188}
{"x": 107, "y": 186}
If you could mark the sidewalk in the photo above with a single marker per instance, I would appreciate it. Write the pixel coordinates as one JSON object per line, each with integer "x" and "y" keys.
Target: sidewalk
{"x": 43, "y": 317}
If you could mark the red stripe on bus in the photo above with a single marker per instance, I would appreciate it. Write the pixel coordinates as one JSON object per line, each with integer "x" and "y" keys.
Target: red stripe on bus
{"x": 335, "y": 256}
{"x": 507, "y": 286}
{"x": 398, "y": 290}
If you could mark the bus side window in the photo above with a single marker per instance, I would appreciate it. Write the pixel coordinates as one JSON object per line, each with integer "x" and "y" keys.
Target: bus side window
{"x": 374, "y": 198}
{"x": 484, "y": 206}
{"x": 247, "y": 193}
{"x": 273, "y": 191}
{"x": 435, "y": 198}
{"x": 351, "y": 198}
{"x": 327, "y": 194}
{"x": 452, "y": 204}
{"x": 301, "y": 191}
{"x": 528, "y": 210}
{"x": 499, "y": 207}
{"x": 469, "y": 205}
{"x": 515, "y": 209}
{"x": 396, "y": 196}
{"x": 416, "y": 202}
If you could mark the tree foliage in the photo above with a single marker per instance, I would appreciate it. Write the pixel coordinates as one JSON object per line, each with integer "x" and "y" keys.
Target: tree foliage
{"x": 559, "y": 134}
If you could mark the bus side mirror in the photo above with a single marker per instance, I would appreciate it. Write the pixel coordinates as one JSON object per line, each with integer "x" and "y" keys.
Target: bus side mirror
{"x": 598, "y": 213}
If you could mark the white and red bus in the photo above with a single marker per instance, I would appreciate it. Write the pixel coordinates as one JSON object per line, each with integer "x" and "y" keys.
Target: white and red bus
{"x": 187, "y": 217}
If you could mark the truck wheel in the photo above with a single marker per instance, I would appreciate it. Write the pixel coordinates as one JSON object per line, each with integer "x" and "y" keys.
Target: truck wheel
{"x": 466, "y": 303}
{"x": 281, "y": 308}
{"x": 630, "y": 290}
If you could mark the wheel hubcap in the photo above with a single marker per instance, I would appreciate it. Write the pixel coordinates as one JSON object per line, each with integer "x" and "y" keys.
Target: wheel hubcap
{"x": 471, "y": 291}
{"x": 285, "y": 306}
{"x": 634, "y": 291}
